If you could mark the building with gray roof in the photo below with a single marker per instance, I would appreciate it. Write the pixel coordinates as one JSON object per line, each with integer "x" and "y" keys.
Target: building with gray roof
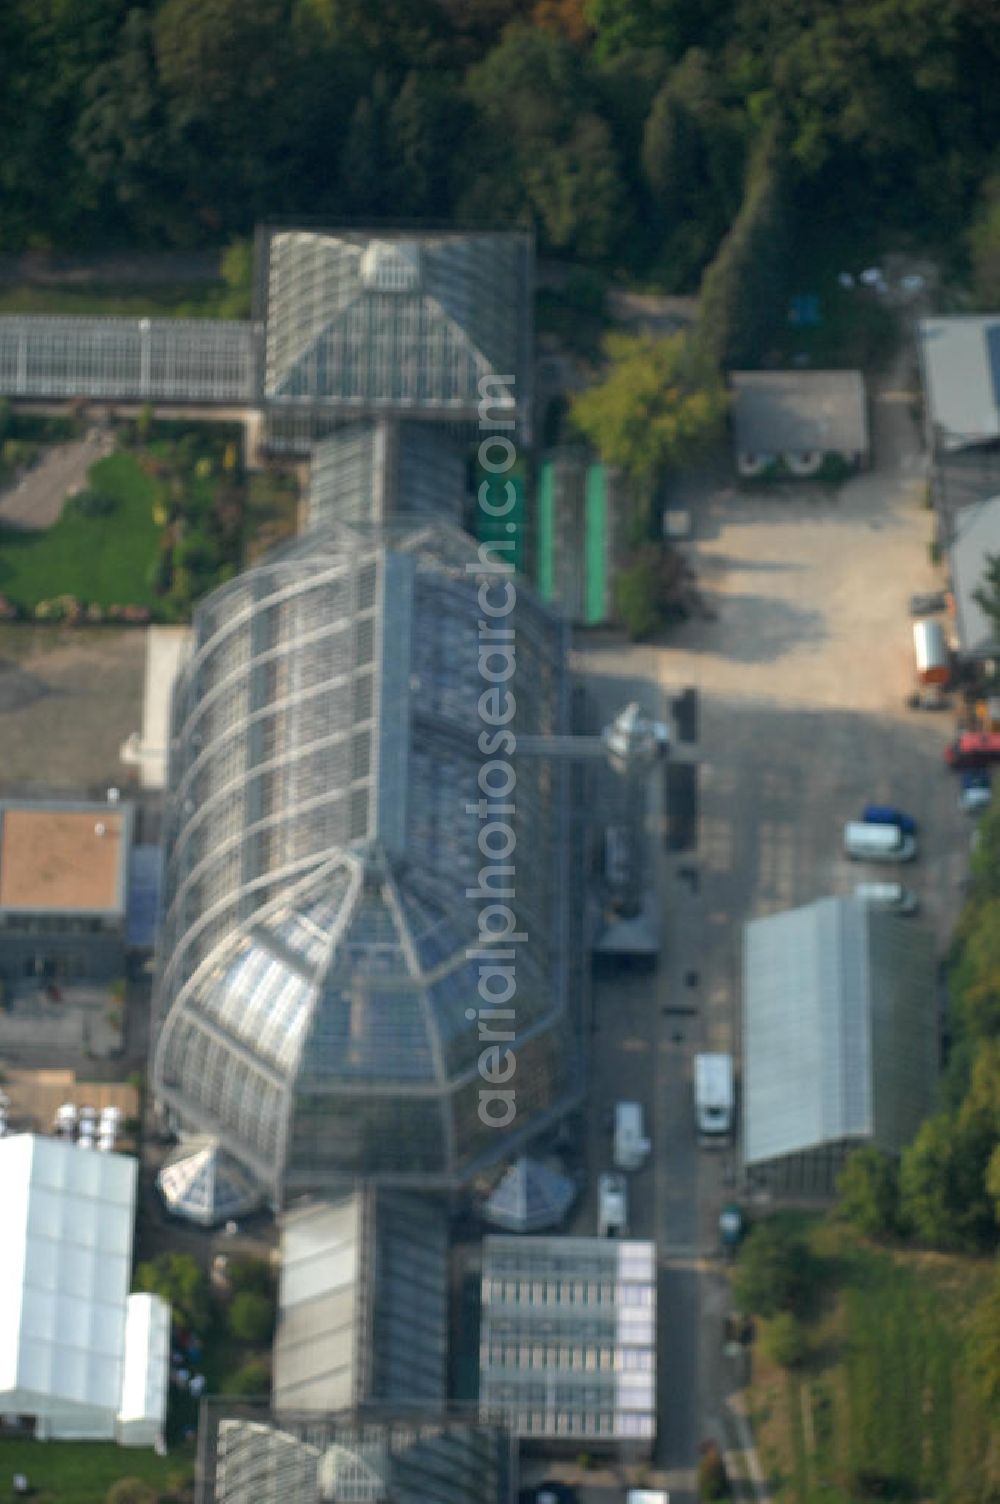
{"x": 798, "y": 418}
{"x": 568, "y": 1340}
{"x": 408, "y": 1456}
{"x": 362, "y": 1304}
{"x": 316, "y": 1001}
{"x": 840, "y": 1039}
{"x": 975, "y": 540}
{"x": 960, "y": 369}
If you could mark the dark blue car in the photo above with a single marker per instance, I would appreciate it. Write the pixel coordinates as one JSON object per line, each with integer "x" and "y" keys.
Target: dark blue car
{"x": 886, "y": 814}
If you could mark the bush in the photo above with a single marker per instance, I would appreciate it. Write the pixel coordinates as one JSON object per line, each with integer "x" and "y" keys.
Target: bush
{"x": 713, "y": 1481}
{"x": 251, "y": 1317}
{"x": 868, "y": 1187}
{"x": 180, "y": 1280}
{"x": 783, "y": 1341}
{"x": 251, "y": 1274}
{"x": 776, "y": 1270}
{"x": 637, "y": 597}
{"x": 131, "y": 1491}
{"x": 251, "y": 1381}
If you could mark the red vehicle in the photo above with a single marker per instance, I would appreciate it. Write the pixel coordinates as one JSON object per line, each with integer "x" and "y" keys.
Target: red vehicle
{"x": 973, "y": 749}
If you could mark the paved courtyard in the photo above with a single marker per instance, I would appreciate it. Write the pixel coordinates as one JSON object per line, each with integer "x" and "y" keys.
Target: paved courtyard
{"x": 69, "y": 697}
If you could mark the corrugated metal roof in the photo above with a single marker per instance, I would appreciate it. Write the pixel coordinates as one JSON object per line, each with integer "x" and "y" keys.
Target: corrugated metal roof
{"x": 976, "y": 534}
{"x": 840, "y": 1028}
{"x": 956, "y": 357}
{"x": 799, "y": 412}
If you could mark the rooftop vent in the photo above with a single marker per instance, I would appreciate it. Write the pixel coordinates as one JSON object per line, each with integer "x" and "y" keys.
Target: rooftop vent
{"x": 391, "y": 266}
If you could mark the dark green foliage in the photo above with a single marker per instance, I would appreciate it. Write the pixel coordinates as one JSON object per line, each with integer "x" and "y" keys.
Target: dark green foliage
{"x": 251, "y": 1317}
{"x": 91, "y": 503}
{"x": 713, "y": 1482}
{"x": 744, "y": 290}
{"x": 251, "y": 1274}
{"x": 181, "y": 1281}
{"x": 868, "y": 1187}
{"x": 252, "y": 1381}
{"x": 944, "y": 1199}
{"x": 638, "y": 596}
{"x": 776, "y": 1270}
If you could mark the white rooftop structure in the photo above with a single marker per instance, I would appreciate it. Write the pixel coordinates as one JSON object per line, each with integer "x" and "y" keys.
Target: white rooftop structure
{"x": 975, "y": 540}
{"x": 67, "y": 1356}
{"x": 568, "y": 1339}
{"x": 167, "y": 650}
{"x": 840, "y": 1029}
{"x": 960, "y": 364}
{"x": 146, "y": 1370}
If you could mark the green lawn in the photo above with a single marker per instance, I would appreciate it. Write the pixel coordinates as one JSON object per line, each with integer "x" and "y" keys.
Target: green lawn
{"x": 194, "y": 300}
{"x": 883, "y": 1408}
{"x": 81, "y": 1472}
{"x": 102, "y": 560}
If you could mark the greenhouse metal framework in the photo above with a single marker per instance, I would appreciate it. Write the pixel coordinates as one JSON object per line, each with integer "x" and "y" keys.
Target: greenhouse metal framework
{"x": 316, "y": 1002}
{"x": 138, "y": 360}
{"x": 407, "y": 1456}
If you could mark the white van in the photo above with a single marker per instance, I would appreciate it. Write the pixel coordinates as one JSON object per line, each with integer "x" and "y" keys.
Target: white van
{"x": 631, "y": 1143}
{"x": 612, "y": 1205}
{"x": 892, "y": 896}
{"x": 867, "y": 842}
{"x": 713, "y": 1094}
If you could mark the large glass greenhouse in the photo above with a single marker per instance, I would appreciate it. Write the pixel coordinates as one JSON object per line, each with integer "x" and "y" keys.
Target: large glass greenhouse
{"x": 316, "y": 1008}
{"x": 389, "y": 323}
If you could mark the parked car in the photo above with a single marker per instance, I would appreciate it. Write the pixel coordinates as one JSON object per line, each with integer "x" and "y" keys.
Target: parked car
{"x": 976, "y": 791}
{"x": 887, "y": 814}
{"x": 865, "y": 842}
{"x": 892, "y": 896}
{"x": 612, "y": 1205}
{"x": 926, "y": 602}
{"x": 973, "y": 749}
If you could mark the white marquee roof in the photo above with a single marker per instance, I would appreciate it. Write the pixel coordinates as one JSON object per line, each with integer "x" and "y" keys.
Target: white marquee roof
{"x": 65, "y": 1262}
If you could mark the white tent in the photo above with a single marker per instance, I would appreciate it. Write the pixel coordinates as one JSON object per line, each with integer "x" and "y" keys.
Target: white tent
{"x": 146, "y": 1375}
{"x": 65, "y": 1264}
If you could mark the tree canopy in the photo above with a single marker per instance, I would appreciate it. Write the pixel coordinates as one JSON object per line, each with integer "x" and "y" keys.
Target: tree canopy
{"x": 658, "y": 406}
{"x": 624, "y": 130}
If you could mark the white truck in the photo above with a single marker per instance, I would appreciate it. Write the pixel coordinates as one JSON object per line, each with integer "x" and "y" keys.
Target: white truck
{"x": 631, "y": 1144}
{"x": 714, "y": 1095}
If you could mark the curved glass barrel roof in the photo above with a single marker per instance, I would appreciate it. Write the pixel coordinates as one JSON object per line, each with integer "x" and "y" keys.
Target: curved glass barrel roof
{"x": 315, "y": 1005}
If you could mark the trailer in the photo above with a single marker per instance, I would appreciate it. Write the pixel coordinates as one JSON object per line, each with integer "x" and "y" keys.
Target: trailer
{"x": 931, "y": 653}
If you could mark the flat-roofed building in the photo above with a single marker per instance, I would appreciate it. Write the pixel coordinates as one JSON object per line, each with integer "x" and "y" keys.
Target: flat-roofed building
{"x": 64, "y": 872}
{"x": 960, "y": 368}
{"x": 841, "y": 1039}
{"x": 793, "y": 421}
{"x": 568, "y": 1340}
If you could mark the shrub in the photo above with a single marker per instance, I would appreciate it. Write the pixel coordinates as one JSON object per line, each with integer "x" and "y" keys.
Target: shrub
{"x": 868, "y": 1186}
{"x": 251, "y": 1317}
{"x": 713, "y": 1481}
{"x": 131, "y": 1491}
{"x": 252, "y": 1274}
{"x": 784, "y": 1341}
{"x": 250, "y": 1381}
{"x": 638, "y": 597}
{"x": 776, "y": 1270}
{"x": 180, "y": 1280}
